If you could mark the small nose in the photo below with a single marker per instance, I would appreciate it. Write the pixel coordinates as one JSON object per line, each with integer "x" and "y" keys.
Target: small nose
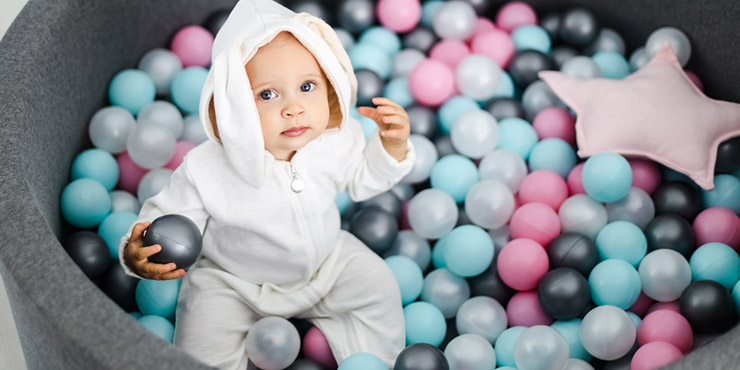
{"x": 293, "y": 109}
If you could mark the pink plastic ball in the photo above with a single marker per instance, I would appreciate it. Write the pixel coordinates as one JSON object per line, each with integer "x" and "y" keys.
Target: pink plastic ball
{"x": 555, "y": 122}
{"x": 666, "y": 326}
{"x": 181, "y": 148}
{"x": 316, "y": 347}
{"x": 544, "y": 187}
{"x": 654, "y": 355}
{"x": 670, "y": 306}
{"x": 641, "y": 305}
{"x": 449, "y": 52}
{"x": 717, "y": 225}
{"x": 431, "y": 82}
{"x": 515, "y": 14}
{"x": 645, "y": 174}
{"x": 536, "y": 221}
{"x": 193, "y": 46}
{"x": 522, "y": 263}
{"x": 495, "y": 44}
{"x": 524, "y": 309}
{"x": 482, "y": 24}
{"x": 695, "y": 79}
{"x": 575, "y": 183}
{"x": 399, "y": 15}
{"x": 129, "y": 173}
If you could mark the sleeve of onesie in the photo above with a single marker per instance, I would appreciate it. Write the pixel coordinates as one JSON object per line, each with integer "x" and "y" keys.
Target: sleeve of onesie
{"x": 180, "y": 196}
{"x": 367, "y": 168}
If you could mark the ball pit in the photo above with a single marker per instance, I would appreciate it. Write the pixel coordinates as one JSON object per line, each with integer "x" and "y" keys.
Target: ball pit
{"x": 38, "y": 183}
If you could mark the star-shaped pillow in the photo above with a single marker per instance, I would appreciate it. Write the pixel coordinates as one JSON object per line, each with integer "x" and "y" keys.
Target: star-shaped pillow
{"x": 656, "y": 112}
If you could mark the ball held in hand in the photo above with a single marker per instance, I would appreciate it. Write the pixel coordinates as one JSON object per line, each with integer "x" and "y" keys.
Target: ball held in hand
{"x": 179, "y": 237}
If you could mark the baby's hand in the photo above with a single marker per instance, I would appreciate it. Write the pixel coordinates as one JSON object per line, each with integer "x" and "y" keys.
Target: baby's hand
{"x": 135, "y": 255}
{"x": 393, "y": 123}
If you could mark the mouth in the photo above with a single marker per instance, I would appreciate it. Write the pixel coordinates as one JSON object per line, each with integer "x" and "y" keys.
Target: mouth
{"x": 295, "y": 131}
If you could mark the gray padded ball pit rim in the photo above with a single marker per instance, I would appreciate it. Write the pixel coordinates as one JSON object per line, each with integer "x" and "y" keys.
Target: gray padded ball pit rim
{"x": 55, "y": 63}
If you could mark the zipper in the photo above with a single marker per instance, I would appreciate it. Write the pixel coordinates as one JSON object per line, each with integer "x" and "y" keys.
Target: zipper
{"x": 296, "y": 184}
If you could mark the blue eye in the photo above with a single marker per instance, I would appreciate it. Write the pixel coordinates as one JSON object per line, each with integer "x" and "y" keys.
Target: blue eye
{"x": 267, "y": 94}
{"x": 308, "y": 86}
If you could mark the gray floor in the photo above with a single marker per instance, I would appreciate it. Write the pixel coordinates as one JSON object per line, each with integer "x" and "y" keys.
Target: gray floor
{"x": 11, "y": 355}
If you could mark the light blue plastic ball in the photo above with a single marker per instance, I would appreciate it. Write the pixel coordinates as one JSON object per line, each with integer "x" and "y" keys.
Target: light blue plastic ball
{"x": 158, "y": 297}
{"x": 96, "y": 164}
{"x": 85, "y": 202}
{"x": 382, "y": 38}
{"x": 570, "y": 330}
{"x": 615, "y": 282}
{"x": 425, "y": 323}
{"x": 531, "y": 37}
{"x": 113, "y": 227}
{"x": 504, "y": 345}
{"x": 343, "y": 201}
{"x": 372, "y": 57}
{"x": 612, "y": 64}
{"x": 397, "y": 90}
{"x": 715, "y": 261}
{"x": 158, "y": 325}
{"x": 438, "y": 253}
{"x": 429, "y": 10}
{"x": 635, "y": 319}
{"x": 505, "y": 86}
{"x": 553, "y": 154}
{"x": 362, "y": 361}
{"x": 186, "y": 86}
{"x": 469, "y": 250}
{"x": 408, "y": 275}
{"x": 131, "y": 89}
{"x": 368, "y": 126}
{"x": 452, "y": 109}
{"x": 517, "y": 135}
{"x": 623, "y": 240}
{"x": 454, "y": 174}
{"x": 726, "y": 193}
{"x": 607, "y": 177}
{"x": 736, "y": 297}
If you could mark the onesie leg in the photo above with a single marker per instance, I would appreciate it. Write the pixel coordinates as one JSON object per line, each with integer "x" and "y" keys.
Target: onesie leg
{"x": 362, "y": 311}
{"x": 213, "y": 319}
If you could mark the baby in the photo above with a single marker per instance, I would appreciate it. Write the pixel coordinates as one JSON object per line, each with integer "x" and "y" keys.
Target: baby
{"x": 276, "y": 107}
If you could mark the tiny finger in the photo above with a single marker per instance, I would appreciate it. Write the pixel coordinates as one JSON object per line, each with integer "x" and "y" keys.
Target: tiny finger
{"x": 379, "y": 100}
{"x": 145, "y": 252}
{"x": 173, "y": 274}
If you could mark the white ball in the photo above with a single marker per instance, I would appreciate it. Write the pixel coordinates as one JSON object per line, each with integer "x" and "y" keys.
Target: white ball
{"x": 489, "y": 204}
{"x": 475, "y": 133}
{"x": 110, "y": 127}
{"x": 154, "y": 181}
{"x": 151, "y": 146}
{"x": 478, "y": 77}
{"x": 162, "y": 113}
{"x": 426, "y": 156}
{"x": 455, "y": 20}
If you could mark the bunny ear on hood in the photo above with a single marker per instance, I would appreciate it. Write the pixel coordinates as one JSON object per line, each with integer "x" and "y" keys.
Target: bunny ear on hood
{"x": 252, "y": 24}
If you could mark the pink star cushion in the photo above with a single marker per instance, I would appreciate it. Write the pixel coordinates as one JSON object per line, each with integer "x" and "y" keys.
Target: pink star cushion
{"x": 656, "y": 112}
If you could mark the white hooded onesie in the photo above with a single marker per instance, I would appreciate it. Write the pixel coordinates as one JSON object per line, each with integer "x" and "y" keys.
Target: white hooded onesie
{"x": 269, "y": 250}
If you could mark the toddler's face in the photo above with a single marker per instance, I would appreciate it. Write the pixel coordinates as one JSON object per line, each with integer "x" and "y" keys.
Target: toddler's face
{"x": 290, "y": 90}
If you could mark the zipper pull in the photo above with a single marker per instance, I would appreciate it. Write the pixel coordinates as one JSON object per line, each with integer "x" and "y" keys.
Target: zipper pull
{"x": 296, "y": 184}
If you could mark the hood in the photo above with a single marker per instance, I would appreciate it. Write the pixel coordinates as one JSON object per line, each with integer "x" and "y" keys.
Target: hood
{"x": 251, "y": 24}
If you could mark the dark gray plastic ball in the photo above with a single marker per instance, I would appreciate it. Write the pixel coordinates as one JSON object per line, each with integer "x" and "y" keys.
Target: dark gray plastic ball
{"x": 179, "y": 237}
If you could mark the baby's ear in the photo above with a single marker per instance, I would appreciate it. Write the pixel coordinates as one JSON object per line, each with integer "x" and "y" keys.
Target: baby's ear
{"x": 335, "y": 110}
{"x": 212, "y": 118}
